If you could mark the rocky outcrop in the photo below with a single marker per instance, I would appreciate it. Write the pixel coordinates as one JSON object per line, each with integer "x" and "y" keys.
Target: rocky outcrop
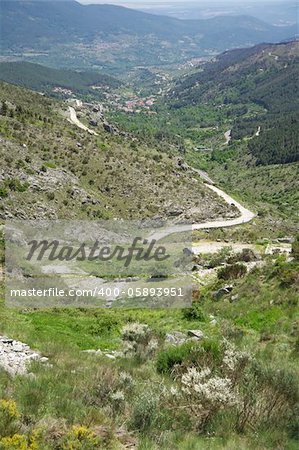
{"x": 16, "y": 356}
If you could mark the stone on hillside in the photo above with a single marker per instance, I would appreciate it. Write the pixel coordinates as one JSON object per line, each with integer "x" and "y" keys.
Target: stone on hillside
{"x": 15, "y": 356}
{"x": 285, "y": 240}
{"x": 93, "y": 352}
{"x": 175, "y": 338}
{"x": 223, "y": 291}
{"x": 198, "y": 334}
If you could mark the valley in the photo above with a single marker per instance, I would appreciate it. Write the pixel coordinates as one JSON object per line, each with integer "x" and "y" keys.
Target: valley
{"x": 116, "y": 39}
{"x": 115, "y": 116}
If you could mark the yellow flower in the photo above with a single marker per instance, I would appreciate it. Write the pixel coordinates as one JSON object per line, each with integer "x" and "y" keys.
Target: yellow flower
{"x": 79, "y": 436}
{"x": 9, "y": 408}
{"x": 20, "y": 442}
{"x": 15, "y": 442}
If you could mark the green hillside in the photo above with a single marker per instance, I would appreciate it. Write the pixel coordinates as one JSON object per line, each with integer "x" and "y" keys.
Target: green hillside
{"x": 220, "y": 374}
{"x": 241, "y": 91}
{"x": 50, "y": 168}
{"x": 265, "y": 76}
{"x": 46, "y": 79}
{"x": 69, "y": 34}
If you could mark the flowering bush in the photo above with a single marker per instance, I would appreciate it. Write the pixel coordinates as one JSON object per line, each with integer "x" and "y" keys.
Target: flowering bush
{"x": 9, "y": 416}
{"x": 234, "y": 361}
{"x": 81, "y": 438}
{"x": 215, "y": 390}
{"x": 9, "y": 408}
{"x": 136, "y": 332}
{"x": 139, "y": 341}
{"x": 209, "y": 381}
{"x": 21, "y": 442}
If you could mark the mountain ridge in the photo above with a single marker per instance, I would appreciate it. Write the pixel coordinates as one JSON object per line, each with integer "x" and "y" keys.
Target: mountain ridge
{"x": 90, "y": 35}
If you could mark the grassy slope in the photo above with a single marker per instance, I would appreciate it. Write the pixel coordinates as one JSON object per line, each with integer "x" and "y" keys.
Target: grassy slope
{"x": 44, "y": 79}
{"x": 75, "y": 389}
{"x": 204, "y": 105}
{"x": 52, "y": 167}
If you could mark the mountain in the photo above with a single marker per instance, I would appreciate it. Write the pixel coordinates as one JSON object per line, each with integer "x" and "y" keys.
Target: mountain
{"x": 66, "y": 33}
{"x": 56, "y": 81}
{"x": 52, "y": 169}
{"x": 265, "y": 76}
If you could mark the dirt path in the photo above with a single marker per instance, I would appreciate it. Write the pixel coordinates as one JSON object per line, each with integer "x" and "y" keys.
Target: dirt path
{"x": 245, "y": 217}
{"x": 245, "y": 214}
{"x": 74, "y": 120}
{"x": 228, "y": 136}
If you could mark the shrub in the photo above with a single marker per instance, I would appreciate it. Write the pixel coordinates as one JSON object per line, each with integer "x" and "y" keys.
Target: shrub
{"x": 50, "y": 196}
{"x": 139, "y": 341}
{"x": 3, "y": 192}
{"x": 14, "y": 184}
{"x": 173, "y": 356}
{"x": 295, "y": 248}
{"x": 232, "y": 271}
{"x": 205, "y": 353}
{"x": 50, "y": 165}
{"x": 150, "y": 410}
{"x": 207, "y": 394}
{"x": 269, "y": 398}
{"x": 19, "y": 442}
{"x": 247, "y": 255}
{"x": 9, "y": 417}
{"x": 195, "y": 312}
{"x": 81, "y": 438}
{"x": 220, "y": 257}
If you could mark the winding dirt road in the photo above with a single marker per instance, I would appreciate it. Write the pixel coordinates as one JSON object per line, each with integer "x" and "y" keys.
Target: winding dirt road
{"x": 245, "y": 215}
{"x": 75, "y": 121}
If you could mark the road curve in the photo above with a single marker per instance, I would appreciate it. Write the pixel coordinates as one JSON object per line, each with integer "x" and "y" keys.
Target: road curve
{"x": 74, "y": 120}
{"x": 245, "y": 215}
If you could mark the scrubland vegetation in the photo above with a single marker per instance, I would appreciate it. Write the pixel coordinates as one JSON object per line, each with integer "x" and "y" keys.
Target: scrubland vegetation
{"x": 220, "y": 374}
{"x": 151, "y": 386}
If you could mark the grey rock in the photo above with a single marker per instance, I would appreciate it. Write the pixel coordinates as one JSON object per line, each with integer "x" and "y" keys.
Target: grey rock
{"x": 223, "y": 291}
{"x": 110, "y": 356}
{"x": 44, "y": 359}
{"x": 175, "y": 338}
{"x": 285, "y": 240}
{"x": 93, "y": 352}
{"x": 6, "y": 340}
{"x": 17, "y": 347}
{"x": 198, "y": 334}
{"x": 15, "y": 356}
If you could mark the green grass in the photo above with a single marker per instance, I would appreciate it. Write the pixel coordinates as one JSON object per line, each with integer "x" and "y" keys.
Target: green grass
{"x": 78, "y": 388}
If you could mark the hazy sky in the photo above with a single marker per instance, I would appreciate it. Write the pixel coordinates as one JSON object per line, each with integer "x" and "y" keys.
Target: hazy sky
{"x": 205, "y": 2}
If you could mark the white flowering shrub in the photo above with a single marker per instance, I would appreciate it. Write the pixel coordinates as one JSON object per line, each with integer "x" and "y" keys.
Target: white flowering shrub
{"x": 138, "y": 341}
{"x": 206, "y": 394}
{"x": 135, "y": 332}
{"x": 207, "y": 388}
{"x": 234, "y": 361}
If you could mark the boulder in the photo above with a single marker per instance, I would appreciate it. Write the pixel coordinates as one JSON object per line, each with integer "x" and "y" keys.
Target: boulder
{"x": 175, "y": 338}
{"x": 285, "y": 240}
{"x": 198, "y": 334}
{"x": 223, "y": 291}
